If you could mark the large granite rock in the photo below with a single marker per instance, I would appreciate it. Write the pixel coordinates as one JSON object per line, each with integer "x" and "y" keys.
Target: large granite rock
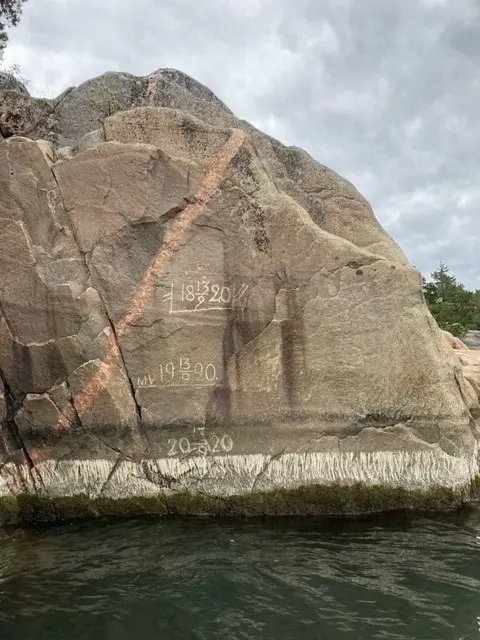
{"x": 196, "y": 318}
{"x": 468, "y": 354}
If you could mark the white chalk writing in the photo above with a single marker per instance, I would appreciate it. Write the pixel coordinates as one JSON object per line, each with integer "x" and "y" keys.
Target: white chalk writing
{"x": 205, "y": 446}
{"x": 203, "y": 295}
{"x": 183, "y": 374}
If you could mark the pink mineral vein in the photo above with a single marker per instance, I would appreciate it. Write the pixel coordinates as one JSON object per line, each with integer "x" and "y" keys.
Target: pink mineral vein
{"x": 214, "y": 176}
{"x": 152, "y": 86}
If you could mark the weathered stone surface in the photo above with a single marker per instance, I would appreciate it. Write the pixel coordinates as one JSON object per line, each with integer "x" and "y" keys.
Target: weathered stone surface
{"x": 3, "y": 403}
{"x": 189, "y": 308}
{"x": 19, "y": 113}
{"x": 90, "y": 140}
{"x": 469, "y": 359}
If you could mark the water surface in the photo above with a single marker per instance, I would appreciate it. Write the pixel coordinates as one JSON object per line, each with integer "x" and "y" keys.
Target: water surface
{"x": 395, "y": 577}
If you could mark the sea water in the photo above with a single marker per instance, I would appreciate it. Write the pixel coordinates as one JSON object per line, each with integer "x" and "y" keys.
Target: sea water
{"x": 390, "y": 577}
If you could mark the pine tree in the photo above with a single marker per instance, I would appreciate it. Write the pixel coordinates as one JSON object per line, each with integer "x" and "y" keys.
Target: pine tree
{"x": 454, "y": 308}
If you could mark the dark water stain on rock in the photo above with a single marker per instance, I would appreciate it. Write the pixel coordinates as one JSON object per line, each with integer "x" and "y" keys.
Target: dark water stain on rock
{"x": 22, "y": 367}
{"x": 293, "y": 350}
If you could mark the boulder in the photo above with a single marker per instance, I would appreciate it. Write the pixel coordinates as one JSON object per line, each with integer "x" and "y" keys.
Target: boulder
{"x": 195, "y": 318}
{"x": 20, "y": 114}
{"x": 469, "y": 360}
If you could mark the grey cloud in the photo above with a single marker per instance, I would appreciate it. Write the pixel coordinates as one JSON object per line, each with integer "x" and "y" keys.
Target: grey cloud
{"x": 386, "y": 93}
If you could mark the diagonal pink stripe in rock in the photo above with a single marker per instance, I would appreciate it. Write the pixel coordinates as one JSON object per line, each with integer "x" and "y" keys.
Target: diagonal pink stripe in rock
{"x": 214, "y": 176}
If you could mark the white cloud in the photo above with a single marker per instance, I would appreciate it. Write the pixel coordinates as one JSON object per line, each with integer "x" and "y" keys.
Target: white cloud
{"x": 386, "y": 93}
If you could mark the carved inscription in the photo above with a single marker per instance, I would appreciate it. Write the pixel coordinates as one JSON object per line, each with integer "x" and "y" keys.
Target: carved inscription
{"x": 203, "y": 295}
{"x": 200, "y": 444}
{"x": 181, "y": 373}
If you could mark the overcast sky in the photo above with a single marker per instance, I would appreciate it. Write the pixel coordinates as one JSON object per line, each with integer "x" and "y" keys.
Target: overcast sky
{"x": 386, "y": 92}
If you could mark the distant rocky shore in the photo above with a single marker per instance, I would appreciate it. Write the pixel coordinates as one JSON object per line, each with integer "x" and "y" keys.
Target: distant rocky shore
{"x": 472, "y": 339}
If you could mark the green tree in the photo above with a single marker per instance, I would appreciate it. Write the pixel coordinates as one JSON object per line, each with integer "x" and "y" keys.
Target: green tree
{"x": 454, "y": 308}
{"x": 10, "y": 12}
{"x": 475, "y": 304}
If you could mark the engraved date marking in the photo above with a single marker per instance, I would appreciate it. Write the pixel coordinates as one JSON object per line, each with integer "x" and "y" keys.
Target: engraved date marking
{"x": 184, "y": 374}
{"x": 203, "y": 295}
{"x": 212, "y": 444}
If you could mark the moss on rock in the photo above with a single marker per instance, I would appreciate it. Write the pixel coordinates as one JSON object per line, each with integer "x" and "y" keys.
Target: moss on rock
{"x": 328, "y": 500}
{"x": 8, "y": 509}
{"x": 475, "y": 488}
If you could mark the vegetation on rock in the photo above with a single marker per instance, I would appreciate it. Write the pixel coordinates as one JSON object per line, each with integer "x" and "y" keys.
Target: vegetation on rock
{"x": 326, "y": 500}
{"x": 105, "y": 101}
{"x": 455, "y": 309}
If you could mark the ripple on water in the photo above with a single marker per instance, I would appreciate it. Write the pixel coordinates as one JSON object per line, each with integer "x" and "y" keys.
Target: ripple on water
{"x": 396, "y": 578}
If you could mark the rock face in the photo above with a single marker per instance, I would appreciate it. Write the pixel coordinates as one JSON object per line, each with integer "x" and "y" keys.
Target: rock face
{"x": 196, "y": 318}
{"x": 469, "y": 359}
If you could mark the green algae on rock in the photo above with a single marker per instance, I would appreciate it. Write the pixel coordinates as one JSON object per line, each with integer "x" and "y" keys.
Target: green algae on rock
{"x": 333, "y": 500}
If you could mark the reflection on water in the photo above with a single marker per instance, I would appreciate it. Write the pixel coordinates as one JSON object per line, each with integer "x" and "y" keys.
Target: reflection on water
{"x": 391, "y": 578}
